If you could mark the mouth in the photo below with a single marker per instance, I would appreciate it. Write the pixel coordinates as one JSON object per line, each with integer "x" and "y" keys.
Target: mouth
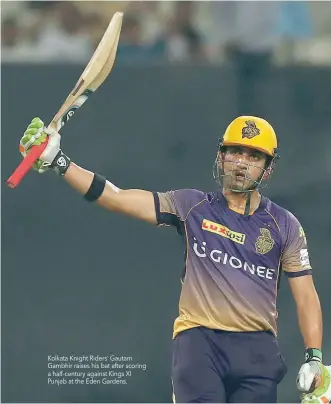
{"x": 240, "y": 175}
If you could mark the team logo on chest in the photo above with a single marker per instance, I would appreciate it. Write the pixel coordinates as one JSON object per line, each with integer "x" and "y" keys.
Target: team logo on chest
{"x": 265, "y": 242}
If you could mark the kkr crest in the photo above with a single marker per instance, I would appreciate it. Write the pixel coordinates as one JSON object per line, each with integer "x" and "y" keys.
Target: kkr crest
{"x": 250, "y": 130}
{"x": 264, "y": 243}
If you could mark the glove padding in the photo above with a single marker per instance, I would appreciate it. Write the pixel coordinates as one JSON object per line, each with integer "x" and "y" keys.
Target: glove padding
{"x": 35, "y": 135}
{"x": 315, "y": 380}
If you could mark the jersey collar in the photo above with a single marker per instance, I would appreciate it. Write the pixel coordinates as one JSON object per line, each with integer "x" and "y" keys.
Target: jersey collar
{"x": 224, "y": 203}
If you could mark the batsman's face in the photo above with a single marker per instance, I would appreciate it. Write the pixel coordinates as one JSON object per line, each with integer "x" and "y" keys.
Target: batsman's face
{"x": 243, "y": 167}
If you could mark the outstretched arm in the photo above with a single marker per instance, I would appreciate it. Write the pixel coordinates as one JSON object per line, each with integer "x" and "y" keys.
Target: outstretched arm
{"x": 95, "y": 188}
{"x": 132, "y": 202}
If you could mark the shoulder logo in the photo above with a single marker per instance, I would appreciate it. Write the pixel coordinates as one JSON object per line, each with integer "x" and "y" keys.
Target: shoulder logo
{"x": 264, "y": 242}
{"x": 250, "y": 130}
{"x": 304, "y": 257}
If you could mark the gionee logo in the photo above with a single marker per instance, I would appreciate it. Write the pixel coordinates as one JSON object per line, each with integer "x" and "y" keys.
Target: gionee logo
{"x": 223, "y": 231}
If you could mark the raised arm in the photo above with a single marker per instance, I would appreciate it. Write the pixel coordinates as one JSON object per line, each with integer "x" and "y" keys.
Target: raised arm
{"x": 94, "y": 187}
{"x": 136, "y": 203}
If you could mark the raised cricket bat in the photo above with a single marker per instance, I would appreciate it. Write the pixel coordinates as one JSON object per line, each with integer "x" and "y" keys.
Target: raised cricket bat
{"x": 92, "y": 77}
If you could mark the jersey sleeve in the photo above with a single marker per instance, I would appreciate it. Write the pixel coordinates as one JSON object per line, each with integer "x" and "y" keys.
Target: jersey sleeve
{"x": 173, "y": 207}
{"x": 295, "y": 258}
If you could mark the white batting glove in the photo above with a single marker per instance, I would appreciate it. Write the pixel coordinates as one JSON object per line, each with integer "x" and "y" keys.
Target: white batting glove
{"x": 308, "y": 374}
{"x": 322, "y": 380}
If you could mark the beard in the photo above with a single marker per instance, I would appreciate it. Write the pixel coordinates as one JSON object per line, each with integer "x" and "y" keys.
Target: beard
{"x": 239, "y": 182}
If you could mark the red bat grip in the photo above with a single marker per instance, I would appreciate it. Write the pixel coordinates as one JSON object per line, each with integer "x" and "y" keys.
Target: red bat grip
{"x": 26, "y": 164}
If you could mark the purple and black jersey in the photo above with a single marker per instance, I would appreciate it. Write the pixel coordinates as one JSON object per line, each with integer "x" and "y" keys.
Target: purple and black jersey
{"x": 233, "y": 262}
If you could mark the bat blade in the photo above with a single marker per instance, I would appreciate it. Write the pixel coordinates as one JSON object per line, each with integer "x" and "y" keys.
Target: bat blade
{"x": 94, "y": 74}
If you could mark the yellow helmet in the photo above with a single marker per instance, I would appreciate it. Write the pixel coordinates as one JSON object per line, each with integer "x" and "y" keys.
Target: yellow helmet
{"x": 251, "y": 131}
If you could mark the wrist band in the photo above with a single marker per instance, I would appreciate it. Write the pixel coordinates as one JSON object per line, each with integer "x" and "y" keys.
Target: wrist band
{"x": 61, "y": 163}
{"x": 313, "y": 354}
{"x": 96, "y": 188}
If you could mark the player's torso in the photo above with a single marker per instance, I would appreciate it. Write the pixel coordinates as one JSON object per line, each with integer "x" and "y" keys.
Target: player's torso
{"x": 250, "y": 244}
{"x": 231, "y": 269}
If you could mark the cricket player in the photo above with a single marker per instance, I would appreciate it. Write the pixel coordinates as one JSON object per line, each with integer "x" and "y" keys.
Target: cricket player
{"x": 238, "y": 242}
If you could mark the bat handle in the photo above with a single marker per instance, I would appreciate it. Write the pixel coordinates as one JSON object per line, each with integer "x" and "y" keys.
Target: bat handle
{"x": 26, "y": 164}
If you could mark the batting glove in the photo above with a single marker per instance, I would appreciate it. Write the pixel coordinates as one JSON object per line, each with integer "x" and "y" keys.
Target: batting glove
{"x": 52, "y": 157}
{"x": 322, "y": 393}
{"x": 314, "y": 378}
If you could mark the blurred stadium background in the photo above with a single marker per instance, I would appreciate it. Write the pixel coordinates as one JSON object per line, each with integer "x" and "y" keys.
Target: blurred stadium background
{"x": 183, "y": 71}
{"x": 167, "y": 32}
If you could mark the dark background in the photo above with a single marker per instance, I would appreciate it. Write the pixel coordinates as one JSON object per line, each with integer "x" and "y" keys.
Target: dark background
{"x": 77, "y": 279}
